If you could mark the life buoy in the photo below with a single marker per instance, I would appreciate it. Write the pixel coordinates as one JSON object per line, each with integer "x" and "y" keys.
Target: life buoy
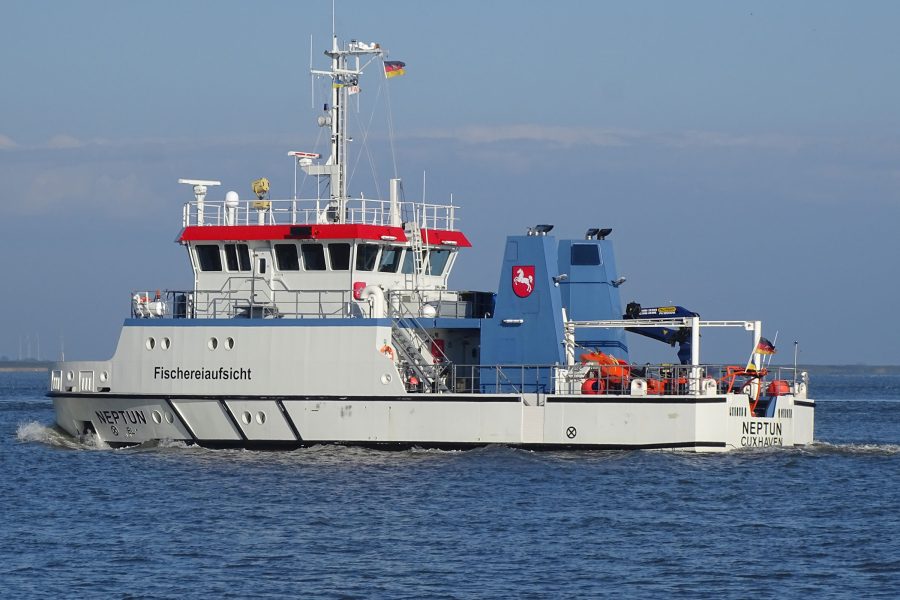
{"x": 387, "y": 351}
{"x": 593, "y": 386}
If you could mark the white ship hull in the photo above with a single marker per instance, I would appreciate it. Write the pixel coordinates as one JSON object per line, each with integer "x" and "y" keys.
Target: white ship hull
{"x": 703, "y": 424}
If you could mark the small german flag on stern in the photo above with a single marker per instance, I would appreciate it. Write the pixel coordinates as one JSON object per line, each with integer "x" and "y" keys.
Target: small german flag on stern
{"x": 765, "y": 347}
{"x": 394, "y": 68}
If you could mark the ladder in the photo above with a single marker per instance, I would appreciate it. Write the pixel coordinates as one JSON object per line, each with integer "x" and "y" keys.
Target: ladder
{"x": 416, "y": 352}
{"x": 414, "y": 232}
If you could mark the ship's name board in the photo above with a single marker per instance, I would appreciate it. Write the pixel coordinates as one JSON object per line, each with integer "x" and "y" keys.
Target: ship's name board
{"x": 222, "y": 373}
{"x": 758, "y": 434}
{"x": 117, "y": 417}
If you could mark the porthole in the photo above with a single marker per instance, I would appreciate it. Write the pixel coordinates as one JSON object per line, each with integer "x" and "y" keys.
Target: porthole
{"x": 104, "y": 376}
{"x": 70, "y": 375}
{"x": 157, "y": 418}
{"x": 261, "y": 417}
{"x": 229, "y": 343}
{"x": 213, "y": 343}
{"x": 246, "y": 417}
{"x": 170, "y": 418}
{"x": 165, "y": 343}
{"x": 150, "y": 344}
{"x": 386, "y": 378}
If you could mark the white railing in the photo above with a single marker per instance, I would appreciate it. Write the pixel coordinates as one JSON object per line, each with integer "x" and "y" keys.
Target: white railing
{"x": 230, "y": 303}
{"x": 360, "y": 211}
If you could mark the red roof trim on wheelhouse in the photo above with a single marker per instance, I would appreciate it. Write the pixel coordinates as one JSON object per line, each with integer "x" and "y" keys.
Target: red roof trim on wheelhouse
{"x": 330, "y": 231}
{"x": 445, "y": 237}
{"x": 327, "y": 231}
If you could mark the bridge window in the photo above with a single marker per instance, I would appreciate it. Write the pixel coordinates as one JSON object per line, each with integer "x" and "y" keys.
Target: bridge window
{"x": 408, "y": 262}
{"x": 390, "y": 259}
{"x": 366, "y": 255}
{"x": 208, "y": 257}
{"x": 586, "y": 254}
{"x": 340, "y": 256}
{"x": 313, "y": 257}
{"x": 437, "y": 261}
{"x": 237, "y": 257}
{"x": 286, "y": 257}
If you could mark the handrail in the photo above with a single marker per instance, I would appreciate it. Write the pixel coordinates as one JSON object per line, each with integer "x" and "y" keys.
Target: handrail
{"x": 309, "y": 211}
{"x": 331, "y": 303}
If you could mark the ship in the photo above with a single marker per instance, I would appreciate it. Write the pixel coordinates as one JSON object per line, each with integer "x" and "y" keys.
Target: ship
{"x": 330, "y": 320}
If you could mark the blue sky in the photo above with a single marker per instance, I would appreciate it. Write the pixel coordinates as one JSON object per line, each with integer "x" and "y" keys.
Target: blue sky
{"x": 747, "y": 154}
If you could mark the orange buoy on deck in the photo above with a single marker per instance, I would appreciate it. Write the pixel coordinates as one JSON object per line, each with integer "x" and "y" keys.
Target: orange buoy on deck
{"x": 593, "y": 386}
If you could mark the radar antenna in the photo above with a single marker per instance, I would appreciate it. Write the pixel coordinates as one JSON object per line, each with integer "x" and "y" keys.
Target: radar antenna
{"x": 200, "y": 186}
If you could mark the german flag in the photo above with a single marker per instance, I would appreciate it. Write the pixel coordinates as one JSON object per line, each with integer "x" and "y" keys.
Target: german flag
{"x": 394, "y": 68}
{"x": 765, "y": 347}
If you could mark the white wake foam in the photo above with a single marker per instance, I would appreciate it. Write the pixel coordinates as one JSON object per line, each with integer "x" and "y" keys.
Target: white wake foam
{"x": 38, "y": 432}
{"x": 872, "y": 449}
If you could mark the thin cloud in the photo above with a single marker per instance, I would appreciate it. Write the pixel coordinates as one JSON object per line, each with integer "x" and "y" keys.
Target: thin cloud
{"x": 78, "y": 190}
{"x": 564, "y": 136}
{"x": 556, "y": 136}
{"x": 577, "y": 136}
{"x": 717, "y": 139}
{"x": 63, "y": 142}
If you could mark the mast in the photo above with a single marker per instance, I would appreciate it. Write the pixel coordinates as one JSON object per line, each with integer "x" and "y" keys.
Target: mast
{"x": 338, "y": 132}
{"x": 343, "y": 75}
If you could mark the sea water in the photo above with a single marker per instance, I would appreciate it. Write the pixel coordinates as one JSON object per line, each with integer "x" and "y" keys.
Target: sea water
{"x": 170, "y": 521}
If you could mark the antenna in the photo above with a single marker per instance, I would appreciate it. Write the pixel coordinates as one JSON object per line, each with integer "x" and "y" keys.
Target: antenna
{"x": 199, "y": 182}
{"x": 200, "y": 186}
{"x": 312, "y": 78}
{"x": 796, "y": 350}
{"x": 304, "y": 159}
{"x": 344, "y": 74}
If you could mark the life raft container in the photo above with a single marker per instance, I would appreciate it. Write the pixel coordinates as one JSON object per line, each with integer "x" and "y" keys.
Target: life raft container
{"x": 779, "y": 387}
{"x": 612, "y": 369}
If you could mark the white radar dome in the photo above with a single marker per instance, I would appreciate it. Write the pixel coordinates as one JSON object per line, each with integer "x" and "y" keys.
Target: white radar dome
{"x": 232, "y": 199}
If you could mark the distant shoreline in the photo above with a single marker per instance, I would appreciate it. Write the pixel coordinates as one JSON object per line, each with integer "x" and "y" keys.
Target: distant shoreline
{"x": 12, "y": 366}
